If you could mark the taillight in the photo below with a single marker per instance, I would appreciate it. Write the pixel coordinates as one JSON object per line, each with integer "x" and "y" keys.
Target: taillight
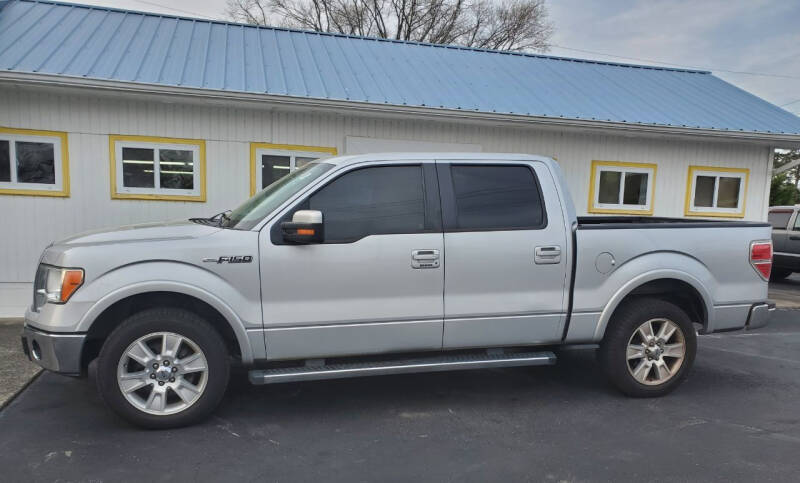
{"x": 761, "y": 257}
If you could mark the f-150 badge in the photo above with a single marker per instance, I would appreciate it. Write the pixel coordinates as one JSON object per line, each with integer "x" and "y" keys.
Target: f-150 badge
{"x": 231, "y": 259}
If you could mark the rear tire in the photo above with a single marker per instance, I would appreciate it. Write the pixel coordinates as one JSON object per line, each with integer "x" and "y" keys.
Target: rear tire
{"x": 163, "y": 368}
{"x": 779, "y": 274}
{"x": 648, "y": 348}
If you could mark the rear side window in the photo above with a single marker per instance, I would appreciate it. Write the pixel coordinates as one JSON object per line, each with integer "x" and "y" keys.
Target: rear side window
{"x": 372, "y": 201}
{"x": 496, "y": 198}
{"x": 779, "y": 219}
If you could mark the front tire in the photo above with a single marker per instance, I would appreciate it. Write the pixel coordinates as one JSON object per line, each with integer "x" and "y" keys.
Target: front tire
{"x": 648, "y": 348}
{"x": 163, "y": 368}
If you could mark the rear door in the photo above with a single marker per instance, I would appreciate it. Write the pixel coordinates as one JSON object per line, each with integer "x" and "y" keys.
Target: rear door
{"x": 783, "y": 229}
{"x": 505, "y": 254}
{"x": 375, "y": 285}
{"x": 791, "y": 246}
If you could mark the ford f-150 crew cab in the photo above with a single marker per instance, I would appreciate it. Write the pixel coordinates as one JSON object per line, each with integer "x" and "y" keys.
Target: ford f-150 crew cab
{"x": 384, "y": 264}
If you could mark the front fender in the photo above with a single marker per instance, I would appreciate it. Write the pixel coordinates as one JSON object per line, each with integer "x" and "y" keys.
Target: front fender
{"x": 240, "y": 308}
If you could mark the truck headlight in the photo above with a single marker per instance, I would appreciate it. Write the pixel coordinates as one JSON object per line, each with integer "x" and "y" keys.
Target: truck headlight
{"x": 55, "y": 285}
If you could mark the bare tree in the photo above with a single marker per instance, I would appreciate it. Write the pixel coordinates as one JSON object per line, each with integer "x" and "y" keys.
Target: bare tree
{"x": 490, "y": 24}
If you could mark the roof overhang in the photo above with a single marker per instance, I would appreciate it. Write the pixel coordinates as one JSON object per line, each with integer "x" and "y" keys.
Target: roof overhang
{"x": 26, "y": 80}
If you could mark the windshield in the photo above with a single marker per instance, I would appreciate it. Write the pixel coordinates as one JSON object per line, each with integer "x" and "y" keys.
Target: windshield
{"x": 251, "y": 212}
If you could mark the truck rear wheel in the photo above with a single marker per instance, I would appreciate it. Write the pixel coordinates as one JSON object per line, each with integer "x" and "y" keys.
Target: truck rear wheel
{"x": 163, "y": 368}
{"x": 648, "y": 348}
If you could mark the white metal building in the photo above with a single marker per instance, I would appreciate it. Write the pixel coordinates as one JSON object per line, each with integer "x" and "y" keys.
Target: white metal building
{"x": 111, "y": 117}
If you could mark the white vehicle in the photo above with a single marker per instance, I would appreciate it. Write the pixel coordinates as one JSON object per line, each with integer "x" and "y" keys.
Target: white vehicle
{"x": 385, "y": 264}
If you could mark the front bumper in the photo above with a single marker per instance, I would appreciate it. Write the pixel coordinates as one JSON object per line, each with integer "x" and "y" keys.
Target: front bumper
{"x": 55, "y": 352}
{"x": 759, "y": 315}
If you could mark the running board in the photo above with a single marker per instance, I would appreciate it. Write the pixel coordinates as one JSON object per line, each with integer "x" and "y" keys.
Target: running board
{"x": 402, "y": 366}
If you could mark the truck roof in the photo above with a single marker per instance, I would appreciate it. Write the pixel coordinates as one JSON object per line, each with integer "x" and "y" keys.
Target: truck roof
{"x": 412, "y": 156}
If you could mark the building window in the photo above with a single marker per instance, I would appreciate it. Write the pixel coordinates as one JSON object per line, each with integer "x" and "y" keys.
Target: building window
{"x": 270, "y": 162}
{"x": 716, "y": 191}
{"x": 33, "y": 162}
{"x": 157, "y": 168}
{"x": 625, "y": 188}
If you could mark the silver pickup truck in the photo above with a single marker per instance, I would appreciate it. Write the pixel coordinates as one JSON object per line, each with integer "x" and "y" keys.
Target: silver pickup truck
{"x": 385, "y": 264}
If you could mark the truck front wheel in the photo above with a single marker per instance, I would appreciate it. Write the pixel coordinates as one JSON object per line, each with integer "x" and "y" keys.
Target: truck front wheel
{"x": 648, "y": 348}
{"x": 163, "y": 368}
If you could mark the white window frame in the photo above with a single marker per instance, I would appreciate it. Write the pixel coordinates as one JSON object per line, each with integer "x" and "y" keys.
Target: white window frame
{"x": 742, "y": 174}
{"x": 9, "y": 187}
{"x": 290, "y": 153}
{"x": 599, "y": 167}
{"x": 258, "y": 149}
{"x": 197, "y": 193}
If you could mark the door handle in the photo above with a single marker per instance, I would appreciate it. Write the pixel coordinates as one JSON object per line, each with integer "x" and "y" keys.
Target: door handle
{"x": 794, "y": 237}
{"x": 425, "y": 259}
{"x": 547, "y": 255}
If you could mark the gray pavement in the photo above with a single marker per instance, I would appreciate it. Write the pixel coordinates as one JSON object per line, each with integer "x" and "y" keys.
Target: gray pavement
{"x": 736, "y": 418}
{"x": 15, "y": 369}
{"x": 786, "y": 293}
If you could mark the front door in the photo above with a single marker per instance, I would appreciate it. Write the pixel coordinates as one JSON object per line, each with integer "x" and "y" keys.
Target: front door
{"x": 375, "y": 285}
{"x": 506, "y": 254}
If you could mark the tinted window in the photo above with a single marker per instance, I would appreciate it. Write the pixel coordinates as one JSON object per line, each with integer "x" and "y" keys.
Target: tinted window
{"x": 704, "y": 191}
{"x": 176, "y": 169}
{"x": 35, "y": 162}
{"x": 779, "y": 219}
{"x": 609, "y": 187}
{"x": 496, "y": 197}
{"x": 5, "y": 161}
{"x": 635, "y": 189}
{"x": 372, "y": 201}
{"x": 138, "y": 168}
{"x": 273, "y": 168}
{"x": 728, "y": 192}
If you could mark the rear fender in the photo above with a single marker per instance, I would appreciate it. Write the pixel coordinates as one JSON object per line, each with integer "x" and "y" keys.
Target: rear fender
{"x": 649, "y": 268}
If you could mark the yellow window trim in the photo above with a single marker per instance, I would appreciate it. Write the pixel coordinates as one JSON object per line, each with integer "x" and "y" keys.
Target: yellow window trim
{"x": 619, "y": 164}
{"x": 64, "y": 192}
{"x": 687, "y": 209}
{"x": 112, "y": 154}
{"x": 254, "y": 147}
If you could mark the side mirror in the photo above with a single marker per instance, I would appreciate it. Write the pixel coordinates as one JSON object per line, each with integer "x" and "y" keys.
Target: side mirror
{"x": 306, "y": 227}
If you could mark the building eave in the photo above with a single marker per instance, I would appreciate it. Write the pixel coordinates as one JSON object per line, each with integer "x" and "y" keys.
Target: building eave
{"x": 188, "y": 93}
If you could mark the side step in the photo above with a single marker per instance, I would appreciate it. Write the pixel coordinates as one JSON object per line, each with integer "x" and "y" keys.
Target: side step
{"x": 401, "y": 366}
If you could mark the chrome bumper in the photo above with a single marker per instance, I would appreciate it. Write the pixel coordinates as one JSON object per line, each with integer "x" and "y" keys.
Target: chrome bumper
{"x": 55, "y": 352}
{"x": 760, "y": 315}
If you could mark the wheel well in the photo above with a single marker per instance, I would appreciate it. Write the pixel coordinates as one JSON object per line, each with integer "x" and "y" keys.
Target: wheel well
{"x": 675, "y": 291}
{"x": 112, "y": 316}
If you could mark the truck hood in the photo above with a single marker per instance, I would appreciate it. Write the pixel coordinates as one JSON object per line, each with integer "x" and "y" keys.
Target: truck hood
{"x": 173, "y": 230}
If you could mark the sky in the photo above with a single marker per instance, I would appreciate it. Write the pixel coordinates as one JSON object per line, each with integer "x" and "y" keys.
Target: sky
{"x": 753, "y": 44}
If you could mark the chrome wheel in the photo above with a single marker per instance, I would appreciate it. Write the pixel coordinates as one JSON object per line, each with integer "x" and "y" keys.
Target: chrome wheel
{"x": 162, "y": 373}
{"x": 656, "y": 351}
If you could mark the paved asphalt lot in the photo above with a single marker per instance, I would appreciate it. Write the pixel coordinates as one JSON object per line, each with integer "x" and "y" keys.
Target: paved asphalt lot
{"x": 786, "y": 292}
{"x": 736, "y": 418}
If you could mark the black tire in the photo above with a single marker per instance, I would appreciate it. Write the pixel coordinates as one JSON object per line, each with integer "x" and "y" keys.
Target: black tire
{"x": 778, "y": 274}
{"x": 178, "y": 321}
{"x": 622, "y": 326}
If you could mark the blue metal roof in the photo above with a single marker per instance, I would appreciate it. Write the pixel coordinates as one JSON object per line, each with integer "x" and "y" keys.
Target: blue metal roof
{"x": 118, "y": 45}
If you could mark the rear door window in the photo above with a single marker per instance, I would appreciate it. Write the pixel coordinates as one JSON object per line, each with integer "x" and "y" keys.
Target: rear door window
{"x": 779, "y": 219}
{"x": 496, "y": 198}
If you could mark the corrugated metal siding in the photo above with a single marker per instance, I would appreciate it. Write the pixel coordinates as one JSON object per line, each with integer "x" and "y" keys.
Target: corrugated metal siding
{"x": 118, "y": 45}
{"x": 35, "y": 221}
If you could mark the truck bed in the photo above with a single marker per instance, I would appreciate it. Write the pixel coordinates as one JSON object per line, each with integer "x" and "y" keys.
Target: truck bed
{"x": 631, "y": 222}
{"x": 713, "y": 257}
